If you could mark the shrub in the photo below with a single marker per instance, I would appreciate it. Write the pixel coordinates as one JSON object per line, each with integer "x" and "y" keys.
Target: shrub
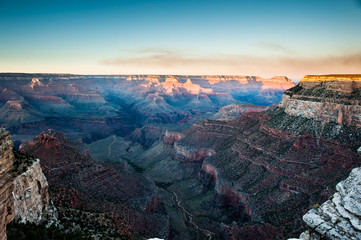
{"x": 316, "y": 206}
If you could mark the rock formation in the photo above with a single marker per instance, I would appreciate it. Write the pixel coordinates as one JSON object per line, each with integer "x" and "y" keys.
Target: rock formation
{"x": 333, "y": 98}
{"x": 96, "y": 107}
{"x": 339, "y": 217}
{"x": 269, "y": 167}
{"x": 234, "y": 111}
{"x": 19, "y": 112}
{"x": 77, "y": 181}
{"x": 7, "y": 212}
{"x": 24, "y": 189}
{"x": 31, "y": 206}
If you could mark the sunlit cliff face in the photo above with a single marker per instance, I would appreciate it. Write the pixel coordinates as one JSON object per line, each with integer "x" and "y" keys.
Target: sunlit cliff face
{"x": 35, "y": 82}
{"x": 172, "y": 83}
{"x": 195, "y": 89}
{"x": 278, "y": 82}
{"x": 340, "y": 83}
{"x": 333, "y": 77}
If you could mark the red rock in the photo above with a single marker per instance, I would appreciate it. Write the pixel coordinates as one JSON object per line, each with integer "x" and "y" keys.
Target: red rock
{"x": 77, "y": 181}
{"x": 273, "y": 166}
{"x": 171, "y": 137}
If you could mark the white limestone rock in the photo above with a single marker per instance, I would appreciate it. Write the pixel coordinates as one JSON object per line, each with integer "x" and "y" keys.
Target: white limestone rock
{"x": 31, "y": 197}
{"x": 339, "y": 218}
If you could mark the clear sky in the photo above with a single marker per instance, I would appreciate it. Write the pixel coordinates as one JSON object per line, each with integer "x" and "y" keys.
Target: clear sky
{"x": 254, "y": 37}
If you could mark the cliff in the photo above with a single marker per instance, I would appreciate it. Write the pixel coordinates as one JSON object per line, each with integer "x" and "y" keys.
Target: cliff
{"x": 77, "y": 182}
{"x": 24, "y": 189}
{"x": 31, "y": 196}
{"x": 271, "y": 166}
{"x": 96, "y": 107}
{"x": 330, "y": 98}
{"x": 7, "y": 212}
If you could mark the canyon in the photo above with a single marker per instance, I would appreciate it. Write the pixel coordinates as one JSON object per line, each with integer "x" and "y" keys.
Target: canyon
{"x": 186, "y": 157}
{"x": 92, "y": 107}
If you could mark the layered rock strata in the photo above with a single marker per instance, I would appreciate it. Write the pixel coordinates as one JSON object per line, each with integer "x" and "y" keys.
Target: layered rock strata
{"x": 272, "y": 166}
{"x": 233, "y": 111}
{"x": 333, "y": 98}
{"x": 23, "y": 189}
{"x": 95, "y": 107}
{"x": 7, "y": 212}
{"x": 31, "y": 196}
{"x": 77, "y": 181}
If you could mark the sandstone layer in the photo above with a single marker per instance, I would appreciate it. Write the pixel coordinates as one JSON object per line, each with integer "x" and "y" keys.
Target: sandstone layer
{"x": 334, "y": 98}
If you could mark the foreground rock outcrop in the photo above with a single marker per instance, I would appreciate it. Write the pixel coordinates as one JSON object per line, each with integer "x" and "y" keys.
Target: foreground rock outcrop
{"x": 340, "y": 216}
{"x": 31, "y": 196}
{"x": 7, "y": 212}
{"x": 24, "y": 189}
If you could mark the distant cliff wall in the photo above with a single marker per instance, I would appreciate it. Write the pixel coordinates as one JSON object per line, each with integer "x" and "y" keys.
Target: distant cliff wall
{"x": 330, "y": 98}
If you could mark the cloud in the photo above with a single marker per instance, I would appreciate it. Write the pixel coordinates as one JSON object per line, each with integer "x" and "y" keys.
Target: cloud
{"x": 161, "y": 61}
{"x": 156, "y": 51}
{"x": 348, "y": 63}
{"x": 276, "y": 48}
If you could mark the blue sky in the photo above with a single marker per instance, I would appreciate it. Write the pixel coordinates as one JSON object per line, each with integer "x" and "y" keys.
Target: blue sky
{"x": 258, "y": 37}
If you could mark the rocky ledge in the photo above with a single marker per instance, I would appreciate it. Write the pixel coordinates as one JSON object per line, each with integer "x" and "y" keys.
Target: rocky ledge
{"x": 340, "y": 216}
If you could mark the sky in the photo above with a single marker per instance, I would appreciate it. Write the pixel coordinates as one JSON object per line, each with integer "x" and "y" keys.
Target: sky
{"x": 229, "y": 37}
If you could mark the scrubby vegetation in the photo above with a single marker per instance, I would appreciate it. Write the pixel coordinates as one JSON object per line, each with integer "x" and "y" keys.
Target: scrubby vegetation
{"x": 73, "y": 224}
{"x": 21, "y": 231}
{"x": 21, "y": 162}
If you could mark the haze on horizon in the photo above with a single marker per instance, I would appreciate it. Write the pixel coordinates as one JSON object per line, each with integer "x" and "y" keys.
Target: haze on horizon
{"x": 230, "y": 37}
